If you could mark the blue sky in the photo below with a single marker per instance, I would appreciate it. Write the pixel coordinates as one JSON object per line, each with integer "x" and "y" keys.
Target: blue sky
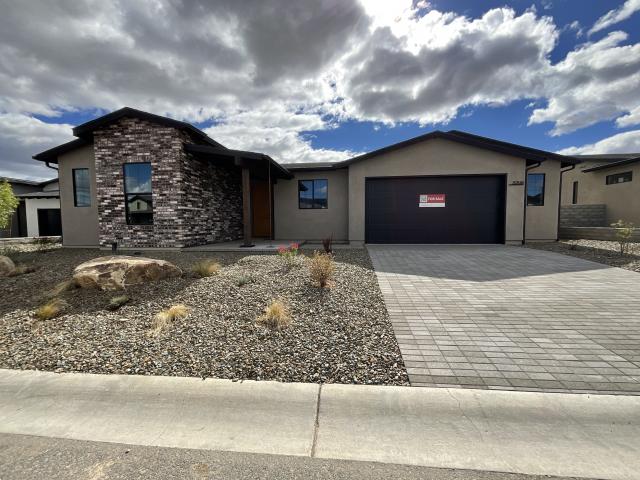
{"x": 322, "y": 80}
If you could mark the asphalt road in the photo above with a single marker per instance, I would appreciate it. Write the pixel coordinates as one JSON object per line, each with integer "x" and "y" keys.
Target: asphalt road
{"x": 24, "y": 457}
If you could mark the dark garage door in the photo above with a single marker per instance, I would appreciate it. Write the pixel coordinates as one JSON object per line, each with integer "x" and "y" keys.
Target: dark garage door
{"x": 473, "y": 211}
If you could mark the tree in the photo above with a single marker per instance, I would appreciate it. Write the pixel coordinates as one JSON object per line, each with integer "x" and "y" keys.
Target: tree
{"x": 8, "y": 204}
{"x": 624, "y": 233}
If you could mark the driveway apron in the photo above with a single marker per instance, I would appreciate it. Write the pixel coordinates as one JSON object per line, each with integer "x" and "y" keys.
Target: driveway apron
{"x": 511, "y": 318}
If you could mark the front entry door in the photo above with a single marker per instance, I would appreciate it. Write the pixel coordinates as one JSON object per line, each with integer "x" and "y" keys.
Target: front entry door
{"x": 49, "y": 223}
{"x": 260, "y": 214}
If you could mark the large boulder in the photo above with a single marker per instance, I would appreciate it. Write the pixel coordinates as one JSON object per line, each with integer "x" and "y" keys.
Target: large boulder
{"x": 7, "y": 267}
{"x": 118, "y": 272}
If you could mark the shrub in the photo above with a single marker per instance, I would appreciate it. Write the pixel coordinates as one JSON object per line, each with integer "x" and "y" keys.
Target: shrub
{"x": 22, "y": 269}
{"x": 163, "y": 320}
{"x": 8, "y": 204}
{"x": 624, "y": 232}
{"x": 276, "y": 316}
{"x": 289, "y": 254}
{"x": 206, "y": 268}
{"x": 116, "y": 302}
{"x": 327, "y": 244}
{"x": 243, "y": 280}
{"x": 321, "y": 268}
{"x": 51, "y": 309}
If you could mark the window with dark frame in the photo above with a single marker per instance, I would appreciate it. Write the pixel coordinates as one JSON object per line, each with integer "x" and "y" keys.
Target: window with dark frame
{"x": 137, "y": 193}
{"x": 535, "y": 189}
{"x": 313, "y": 193}
{"x": 81, "y": 189}
{"x": 619, "y": 178}
{"x": 574, "y": 196}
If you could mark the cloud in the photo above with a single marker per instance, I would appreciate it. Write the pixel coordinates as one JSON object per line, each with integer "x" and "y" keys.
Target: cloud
{"x": 596, "y": 81}
{"x": 632, "y": 118}
{"x": 20, "y": 138}
{"x": 626, "y": 142}
{"x": 615, "y": 16}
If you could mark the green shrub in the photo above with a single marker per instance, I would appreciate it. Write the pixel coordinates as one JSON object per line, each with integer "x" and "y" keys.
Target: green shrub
{"x": 116, "y": 302}
{"x": 243, "y": 280}
{"x": 624, "y": 232}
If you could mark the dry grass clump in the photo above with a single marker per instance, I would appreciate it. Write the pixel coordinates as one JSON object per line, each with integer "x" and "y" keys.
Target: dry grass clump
{"x": 51, "y": 309}
{"x": 163, "y": 320}
{"x": 206, "y": 268}
{"x": 63, "y": 287}
{"x": 22, "y": 269}
{"x": 276, "y": 316}
{"x": 321, "y": 268}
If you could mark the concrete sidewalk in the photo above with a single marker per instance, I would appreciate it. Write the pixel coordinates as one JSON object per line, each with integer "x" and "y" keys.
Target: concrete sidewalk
{"x": 594, "y": 436}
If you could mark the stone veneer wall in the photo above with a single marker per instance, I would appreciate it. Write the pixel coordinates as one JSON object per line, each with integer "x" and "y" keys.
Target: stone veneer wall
{"x": 193, "y": 202}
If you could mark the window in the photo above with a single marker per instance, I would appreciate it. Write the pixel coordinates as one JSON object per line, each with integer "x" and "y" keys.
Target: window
{"x": 137, "y": 193}
{"x": 574, "y": 197}
{"x": 312, "y": 193}
{"x": 535, "y": 189}
{"x": 619, "y": 178}
{"x": 81, "y": 192}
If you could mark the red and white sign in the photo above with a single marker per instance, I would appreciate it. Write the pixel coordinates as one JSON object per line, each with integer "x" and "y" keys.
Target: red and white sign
{"x": 432, "y": 200}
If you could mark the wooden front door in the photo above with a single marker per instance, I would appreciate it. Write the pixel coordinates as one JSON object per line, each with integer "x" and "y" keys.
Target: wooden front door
{"x": 260, "y": 209}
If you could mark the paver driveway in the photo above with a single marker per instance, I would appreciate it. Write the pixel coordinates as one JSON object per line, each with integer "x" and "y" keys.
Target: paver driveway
{"x": 511, "y": 318}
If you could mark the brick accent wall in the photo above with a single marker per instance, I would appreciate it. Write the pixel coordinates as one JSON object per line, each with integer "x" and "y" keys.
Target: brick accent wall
{"x": 583, "y": 215}
{"x": 194, "y": 202}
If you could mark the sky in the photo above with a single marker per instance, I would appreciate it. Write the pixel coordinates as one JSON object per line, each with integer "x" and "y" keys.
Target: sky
{"x": 323, "y": 80}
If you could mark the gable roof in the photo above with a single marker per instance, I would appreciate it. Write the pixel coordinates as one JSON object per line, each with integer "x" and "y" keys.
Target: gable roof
{"x": 618, "y": 163}
{"x": 85, "y": 131}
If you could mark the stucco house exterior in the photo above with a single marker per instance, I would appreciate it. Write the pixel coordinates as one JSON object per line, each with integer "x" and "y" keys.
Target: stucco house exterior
{"x": 602, "y": 189}
{"x": 38, "y": 213}
{"x": 144, "y": 181}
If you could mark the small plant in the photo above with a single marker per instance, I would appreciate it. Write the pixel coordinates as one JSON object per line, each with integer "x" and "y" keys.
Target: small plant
{"x": 289, "y": 254}
{"x": 116, "y": 302}
{"x": 243, "y": 280}
{"x": 276, "y": 316}
{"x": 321, "y": 268}
{"x": 22, "y": 269}
{"x": 8, "y": 204}
{"x": 51, "y": 309}
{"x": 327, "y": 244}
{"x": 62, "y": 287}
{"x": 206, "y": 268}
{"x": 624, "y": 232}
{"x": 163, "y": 320}
{"x": 572, "y": 244}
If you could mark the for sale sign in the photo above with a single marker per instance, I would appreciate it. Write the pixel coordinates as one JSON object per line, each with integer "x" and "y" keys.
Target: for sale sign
{"x": 432, "y": 200}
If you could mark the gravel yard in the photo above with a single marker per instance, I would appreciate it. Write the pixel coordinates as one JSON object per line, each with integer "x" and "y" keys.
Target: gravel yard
{"x": 340, "y": 334}
{"x": 600, "y": 251}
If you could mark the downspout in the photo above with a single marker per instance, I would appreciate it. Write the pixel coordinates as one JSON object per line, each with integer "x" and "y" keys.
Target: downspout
{"x": 524, "y": 216}
{"x": 560, "y": 199}
{"x": 46, "y": 164}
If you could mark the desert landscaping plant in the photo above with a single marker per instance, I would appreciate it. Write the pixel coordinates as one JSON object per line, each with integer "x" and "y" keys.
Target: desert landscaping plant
{"x": 8, "y": 204}
{"x": 321, "y": 268}
{"x": 244, "y": 280}
{"x": 51, "y": 309}
{"x": 624, "y": 232}
{"x": 289, "y": 254}
{"x": 62, "y": 287}
{"x": 206, "y": 268}
{"x": 22, "y": 270}
{"x": 163, "y": 320}
{"x": 327, "y": 244}
{"x": 276, "y": 316}
{"x": 116, "y": 302}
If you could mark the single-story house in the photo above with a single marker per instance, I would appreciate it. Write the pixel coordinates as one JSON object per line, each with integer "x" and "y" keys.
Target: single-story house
{"x": 603, "y": 189}
{"x": 146, "y": 181}
{"x": 38, "y": 213}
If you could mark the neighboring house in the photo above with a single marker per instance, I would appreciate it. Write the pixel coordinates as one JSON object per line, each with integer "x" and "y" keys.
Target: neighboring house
{"x": 146, "y": 181}
{"x": 38, "y": 213}
{"x": 610, "y": 181}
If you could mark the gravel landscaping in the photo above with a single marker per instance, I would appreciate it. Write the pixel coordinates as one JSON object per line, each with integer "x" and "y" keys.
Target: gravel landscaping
{"x": 339, "y": 334}
{"x": 600, "y": 251}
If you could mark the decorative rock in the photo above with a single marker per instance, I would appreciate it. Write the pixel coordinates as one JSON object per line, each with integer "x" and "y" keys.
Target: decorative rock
{"x": 7, "y": 266}
{"x": 117, "y": 272}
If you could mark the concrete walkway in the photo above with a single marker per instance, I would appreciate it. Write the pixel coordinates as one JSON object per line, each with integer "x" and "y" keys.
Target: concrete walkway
{"x": 511, "y": 318}
{"x": 529, "y": 433}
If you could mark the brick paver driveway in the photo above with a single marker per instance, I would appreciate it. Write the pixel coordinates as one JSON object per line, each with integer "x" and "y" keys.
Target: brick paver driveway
{"x": 511, "y": 318}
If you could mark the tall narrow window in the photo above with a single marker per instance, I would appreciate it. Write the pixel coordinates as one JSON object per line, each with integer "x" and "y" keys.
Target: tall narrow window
{"x": 81, "y": 191}
{"x": 535, "y": 189}
{"x": 313, "y": 193}
{"x": 574, "y": 198}
{"x": 137, "y": 193}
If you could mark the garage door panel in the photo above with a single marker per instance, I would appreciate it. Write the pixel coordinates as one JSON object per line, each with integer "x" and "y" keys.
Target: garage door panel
{"x": 473, "y": 211}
